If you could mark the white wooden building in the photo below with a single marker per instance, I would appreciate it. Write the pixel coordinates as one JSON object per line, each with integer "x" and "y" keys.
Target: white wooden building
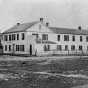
{"x": 38, "y": 38}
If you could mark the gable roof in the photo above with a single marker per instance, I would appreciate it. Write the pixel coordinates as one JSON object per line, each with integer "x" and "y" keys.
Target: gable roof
{"x": 56, "y": 30}
{"x": 68, "y": 31}
{"x": 21, "y": 27}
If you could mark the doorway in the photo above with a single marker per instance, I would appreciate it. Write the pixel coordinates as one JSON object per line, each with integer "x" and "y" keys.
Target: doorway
{"x": 13, "y": 48}
{"x": 30, "y": 49}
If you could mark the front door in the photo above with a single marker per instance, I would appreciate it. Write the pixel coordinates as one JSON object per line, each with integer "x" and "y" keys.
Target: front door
{"x": 13, "y": 48}
{"x": 30, "y": 49}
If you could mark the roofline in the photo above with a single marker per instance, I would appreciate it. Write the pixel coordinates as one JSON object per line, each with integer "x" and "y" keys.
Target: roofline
{"x": 43, "y": 32}
{"x": 6, "y": 31}
{"x": 13, "y": 32}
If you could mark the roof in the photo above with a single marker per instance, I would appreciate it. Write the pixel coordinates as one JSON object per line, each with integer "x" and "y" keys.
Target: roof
{"x": 20, "y": 27}
{"x": 68, "y": 31}
{"x": 57, "y": 30}
{"x": 46, "y": 42}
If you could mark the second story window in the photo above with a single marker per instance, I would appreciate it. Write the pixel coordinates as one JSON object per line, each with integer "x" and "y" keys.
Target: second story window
{"x": 9, "y": 37}
{"x": 45, "y": 37}
{"x": 73, "y": 38}
{"x": 23, "y": 36}
{"x": 81, "y": 38}
{"x": 66, "y": 37}
{"x": 86, "y": 38}
{"x": 36, "y": 35}
{"x": 13, "y": 37}
{"x": 58, "y": 37}
{"x": 5, "y": 37}
{"x": 17, "y": 36}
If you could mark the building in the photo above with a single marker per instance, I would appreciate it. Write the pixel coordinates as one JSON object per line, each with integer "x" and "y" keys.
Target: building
{"x": 37, "y": 38}
{"x": 1, "y": 47}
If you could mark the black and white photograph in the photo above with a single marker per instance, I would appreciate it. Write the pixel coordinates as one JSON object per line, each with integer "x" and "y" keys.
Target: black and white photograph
{"x": 43, "y": 43}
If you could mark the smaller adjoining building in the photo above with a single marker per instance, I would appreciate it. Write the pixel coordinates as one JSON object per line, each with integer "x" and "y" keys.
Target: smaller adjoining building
{"x": 38, "y": 38}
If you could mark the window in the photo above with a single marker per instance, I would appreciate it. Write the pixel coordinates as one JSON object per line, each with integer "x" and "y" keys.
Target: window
{"x": 80, "y": 47}
{"x": 36, "y": 35}
{"x": 13, "y": 36}
{"x": 23, "y": 36}
{"x": 66, "y": 47}
{"x": 87, "y": 38}
{"x": 46, "y": 47}
{"x": 21, "y": 47}
{"x": 73, "y": 47}
{"x": 58, "y": 37}
{"x": 87, "y": 48}
{"x": 81, "y": 38}
{"x": 45, "y": 37}
{"x": 73, "y": 38}
{"x": 9, "y": 37}
{"x": 9, "y": 47}
{"x": 5, "y": 47}
{"x": 17, "y": 36}
{"x": 5, "y": 37}
{"x": 66, "y": 37}
{"x": 59, "y": 47}
{"x": 17, "y": 48}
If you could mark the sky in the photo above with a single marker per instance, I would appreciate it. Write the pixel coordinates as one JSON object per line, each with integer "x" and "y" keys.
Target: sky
{"x": 59, "y": 13}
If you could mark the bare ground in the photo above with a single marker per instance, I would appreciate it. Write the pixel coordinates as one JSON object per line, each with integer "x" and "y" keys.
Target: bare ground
{"x": 25, "y": 71}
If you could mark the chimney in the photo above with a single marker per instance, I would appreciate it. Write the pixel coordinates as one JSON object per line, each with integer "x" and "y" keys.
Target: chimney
{"x": 47, "y": 24}
{"x": 80, "y": 28}
{"x": 18, "y": 24}
{"x": 41, "y": 19}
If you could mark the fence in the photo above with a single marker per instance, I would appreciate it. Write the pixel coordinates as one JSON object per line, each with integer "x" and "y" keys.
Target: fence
{"x": 63, "y": 52}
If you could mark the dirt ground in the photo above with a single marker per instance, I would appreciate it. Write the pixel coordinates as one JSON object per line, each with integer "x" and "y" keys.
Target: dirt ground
{"x": 31, "y": 73}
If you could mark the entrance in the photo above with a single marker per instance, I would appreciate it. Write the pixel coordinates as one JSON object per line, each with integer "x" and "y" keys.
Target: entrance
{"x": 13, "y": 48}
{"x": 30, "y": 49}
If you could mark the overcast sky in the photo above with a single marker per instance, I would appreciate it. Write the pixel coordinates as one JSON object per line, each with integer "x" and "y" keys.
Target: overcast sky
{"x": 60, "y": 13}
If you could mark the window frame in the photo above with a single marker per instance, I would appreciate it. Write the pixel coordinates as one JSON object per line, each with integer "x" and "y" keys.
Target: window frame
{"x": 23, "y": 36}
{"x": 66, "y": 37}
{"x": 10, "y": 37}
{"x": 17, "y": 36}
{"x": 46, "y": 47}
{"x": 81, "y": 38}
{"x": 80, "y": 47}
{"x": 5, "y": 37}
{"x": 44, "y": 36}
{"x": 66, "y": 48}
{"x": 86, "y": 38}
{"x": 58, "y": 37}
{"x": 73, "y": 38}
{"x": 72, "y": 47}
{"x": 9, "y": 47}
{"x": 6, "y": 48}
{"x": 59, "y": 47}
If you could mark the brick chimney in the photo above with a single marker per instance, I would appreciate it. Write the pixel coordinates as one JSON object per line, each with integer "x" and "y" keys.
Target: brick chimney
{"x": 18, "y": 24}
{"x": 47, "y": 24}
{"x": 80, "y": 28}
{"x": 41, "y": 19}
